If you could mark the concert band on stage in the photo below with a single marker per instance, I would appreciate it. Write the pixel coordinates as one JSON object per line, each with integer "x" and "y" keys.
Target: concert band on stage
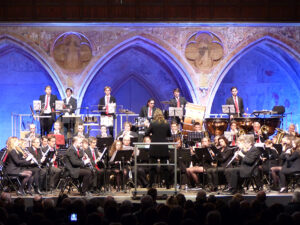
{"x": 228, "y": 162}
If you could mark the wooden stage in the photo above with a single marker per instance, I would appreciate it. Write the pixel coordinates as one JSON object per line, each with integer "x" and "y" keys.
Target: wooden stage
{"x": 272, "y": 197}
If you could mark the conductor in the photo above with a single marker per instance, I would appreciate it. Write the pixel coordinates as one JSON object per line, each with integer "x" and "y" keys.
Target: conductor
{"x": 159, "y": 130}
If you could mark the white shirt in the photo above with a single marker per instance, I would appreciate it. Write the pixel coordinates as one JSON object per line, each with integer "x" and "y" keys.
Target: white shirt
{"x": 48, "y": 109}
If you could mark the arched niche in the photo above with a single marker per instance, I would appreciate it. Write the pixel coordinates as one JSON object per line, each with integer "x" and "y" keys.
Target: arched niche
{"x": 266, "y": 73}
{"x": 23, "y": 77}
{"x": 150, "y": 70}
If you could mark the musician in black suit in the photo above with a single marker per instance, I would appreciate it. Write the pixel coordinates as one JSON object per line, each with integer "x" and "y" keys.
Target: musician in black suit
{"x": 48, "y": 109}
{"x": 127, "y": 131}
{"x": 178, "y": 101}
{"x": 259, "y": 136}
{"x": 70, "y": 106}
{"x": 237, "y": 102}
{"x": 250, "y": 156}
{"x": 50, "y": 164}
{"x": 291, "y": 164}
{"x": 148, "y": 110}
{"x": 16, "y": 165}
{"x": 39, "y": 173}
{"x": 80, "y": 131}
{"x": 222, "y": 158}
{"x": 32, "y": 134}
{"x": 76, "y": 164}
{"x": 103, "y": 105}
{"x": 159, "y": 130}
{"x": 89, "y": 146}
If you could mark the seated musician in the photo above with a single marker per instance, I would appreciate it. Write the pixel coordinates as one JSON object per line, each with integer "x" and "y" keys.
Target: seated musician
{"x": 35, "y": 168}
{"x": 142, "y": 171}
{"x": 127, "y": 131}
{"x": 286, "y": 143}
{"x": 216, "y": 142}
{"x": 292, "y": 130}
{"x": 103, "y": 132}
{"x": 115, "y": 166}
{"x": 232, "y": 135}
{"x": 50, "y": 164}
{"x": 32, "y": 134}
{"x": 57, "y": 132}
{"x": 237, "y": 102}
{"x": 250, "y": 154}
{"x": 223, "y": 156}
{"x": 127, "y": 143}
{"x": 198, "y": 166}
{"x": 259, "y": 136}
{"x": 196, "y": 136}
{"x": 291, "y": 163}
{"x": 76, "y": 164}
{"x": 16, "y": 165}
{"x": 175, "y": 132}
{"x": 80, "y": 131}
{"x": 270, "y": 158}
{"x": 148, "y": 110}
{"x": 89, "y": 146}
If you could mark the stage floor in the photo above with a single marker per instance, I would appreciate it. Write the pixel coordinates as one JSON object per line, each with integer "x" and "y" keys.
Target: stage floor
{"x": 272, "y": 196}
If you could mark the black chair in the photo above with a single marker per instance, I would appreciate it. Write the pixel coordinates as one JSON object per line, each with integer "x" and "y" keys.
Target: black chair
{"x": 9, "y": 182}
{"x": 295, "y": 177}
{"x": 252, "y": 179}
{"x": 66, "y": 182}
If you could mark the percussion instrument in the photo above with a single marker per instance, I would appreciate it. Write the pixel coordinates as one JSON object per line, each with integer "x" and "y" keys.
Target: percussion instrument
{"x": 216, "y": 126}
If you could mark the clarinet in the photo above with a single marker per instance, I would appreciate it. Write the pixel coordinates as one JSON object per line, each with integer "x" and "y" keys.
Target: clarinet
{"x": 32, "y": 158}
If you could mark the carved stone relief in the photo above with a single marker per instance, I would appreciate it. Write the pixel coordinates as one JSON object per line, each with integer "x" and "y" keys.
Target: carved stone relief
{"x": 72, "y": 51}
{"x": 204, "y": 50}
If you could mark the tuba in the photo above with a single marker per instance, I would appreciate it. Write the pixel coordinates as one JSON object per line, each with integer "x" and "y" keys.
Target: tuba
{"x": 264, "y": 129}
{"x": 280, "y": 134}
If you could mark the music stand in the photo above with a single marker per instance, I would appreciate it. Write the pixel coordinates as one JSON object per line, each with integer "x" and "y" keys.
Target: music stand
{"x": 203, "y": 155}
{"x": 228, "y": 109}
{"x": 122, "y": 156}
{"x": 104, "y": 142}
{"x": 175, "y": 112}
{"x": 195, "y": 137}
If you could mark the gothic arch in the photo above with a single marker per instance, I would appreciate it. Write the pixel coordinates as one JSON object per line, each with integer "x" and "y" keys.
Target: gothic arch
{"x": 8, "y": 43}
{"x": 284, "y": 55}
{"x": 151, "y": 47}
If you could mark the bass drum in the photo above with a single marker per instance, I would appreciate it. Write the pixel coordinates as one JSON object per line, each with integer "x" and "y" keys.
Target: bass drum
{"x": 193, "y": 113}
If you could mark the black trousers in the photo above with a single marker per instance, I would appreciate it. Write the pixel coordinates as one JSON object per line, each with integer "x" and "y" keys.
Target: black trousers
{"x": 36, "y": 175}
{"x": 213, "y": 175}
{"x": 46, "y": 124}
{"x": 85, "y": 174}
{"x": 283, "y": 174}
{"x": 97, "y": 178}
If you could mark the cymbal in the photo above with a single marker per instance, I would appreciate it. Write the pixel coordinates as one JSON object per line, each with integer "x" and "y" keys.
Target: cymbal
{"x": 166, "y": 102}
{"x": 126, "y": 111}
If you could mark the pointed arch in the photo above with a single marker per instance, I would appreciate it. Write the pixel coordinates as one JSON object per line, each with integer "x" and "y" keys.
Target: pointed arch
{"x": 285, "y": 55}
{"x": 148, "y": 46}
{"x": 9, "y": 43}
